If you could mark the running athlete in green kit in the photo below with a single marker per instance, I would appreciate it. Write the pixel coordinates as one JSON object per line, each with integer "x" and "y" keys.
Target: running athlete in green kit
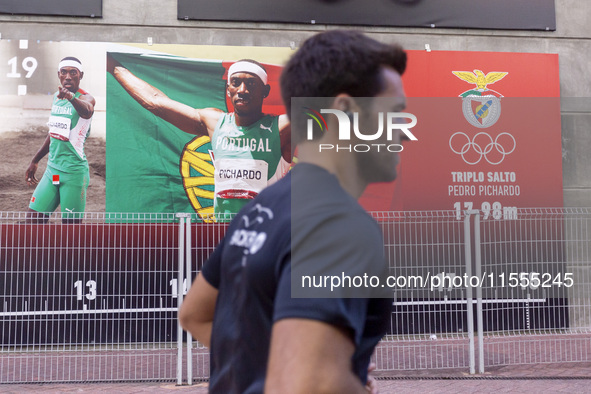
{"x": 250, "y": 149}
{"x": 66, "y": 179}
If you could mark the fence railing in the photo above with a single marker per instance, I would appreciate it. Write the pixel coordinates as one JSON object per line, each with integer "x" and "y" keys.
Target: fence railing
{"x": 98, "y": 301}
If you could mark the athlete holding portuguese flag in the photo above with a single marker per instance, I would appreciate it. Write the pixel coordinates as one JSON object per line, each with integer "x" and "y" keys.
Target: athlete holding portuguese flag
{"x": 66, "y": 179}
{"x": 250, "y": 149}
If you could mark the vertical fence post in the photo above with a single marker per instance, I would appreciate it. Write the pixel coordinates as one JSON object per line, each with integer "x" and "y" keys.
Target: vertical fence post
{"x": 469, "y": 303}
{"x": 180, "y": 286}
{"x": 479, "y": 317}
{"x": 189, "y": 280}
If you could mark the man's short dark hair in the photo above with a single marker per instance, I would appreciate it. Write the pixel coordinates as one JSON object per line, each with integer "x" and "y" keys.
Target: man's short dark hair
{"x": 338, "y": 61}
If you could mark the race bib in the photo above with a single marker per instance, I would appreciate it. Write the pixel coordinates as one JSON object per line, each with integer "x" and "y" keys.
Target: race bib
{"x": 240, "y": 178}
{"x": 59, "y": 127}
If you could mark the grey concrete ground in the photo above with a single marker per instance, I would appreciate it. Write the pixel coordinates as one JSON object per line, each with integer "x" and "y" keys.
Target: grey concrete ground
{"x": 538, "y": 378}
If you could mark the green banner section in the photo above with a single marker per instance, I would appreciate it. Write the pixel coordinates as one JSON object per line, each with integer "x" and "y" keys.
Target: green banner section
{"x": 151, "y": 165}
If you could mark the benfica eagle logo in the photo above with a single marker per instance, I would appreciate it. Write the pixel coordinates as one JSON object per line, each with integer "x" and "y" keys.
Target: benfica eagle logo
{"x": 481, "y": 106}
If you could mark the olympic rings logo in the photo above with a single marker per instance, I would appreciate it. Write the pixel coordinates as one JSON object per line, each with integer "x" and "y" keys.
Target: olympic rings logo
{"x": 480, "y": 152}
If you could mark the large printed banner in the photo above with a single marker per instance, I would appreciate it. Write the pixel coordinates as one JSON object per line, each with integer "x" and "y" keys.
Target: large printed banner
{"x": 152, "y": 165}
{"x": 488, "y": 135}
{"x": 489, "y": 138}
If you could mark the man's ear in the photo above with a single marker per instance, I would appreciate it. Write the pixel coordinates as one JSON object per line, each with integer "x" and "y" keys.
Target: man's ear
{"x": 266, "y": 91}
{"x": 81, "y": 75}
{"x": 345, "y": 103}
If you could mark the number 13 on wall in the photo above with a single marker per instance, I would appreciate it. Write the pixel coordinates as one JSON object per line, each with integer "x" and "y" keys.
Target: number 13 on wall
{"x": 91, "y": 285}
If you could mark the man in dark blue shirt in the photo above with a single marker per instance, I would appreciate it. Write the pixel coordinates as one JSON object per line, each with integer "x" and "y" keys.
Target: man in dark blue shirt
{"x": 268, "y": 330}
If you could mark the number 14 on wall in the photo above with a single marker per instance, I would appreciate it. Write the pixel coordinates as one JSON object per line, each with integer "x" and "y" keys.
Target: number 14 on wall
{"x": 174, "y": 284}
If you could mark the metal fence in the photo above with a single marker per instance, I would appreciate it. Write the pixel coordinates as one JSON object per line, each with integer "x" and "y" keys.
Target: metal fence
{"x": 429, "y": 328}
{"x": 98, "y": 301}
{"x": 547, "y": 314}
{"x": 526, "y": 273}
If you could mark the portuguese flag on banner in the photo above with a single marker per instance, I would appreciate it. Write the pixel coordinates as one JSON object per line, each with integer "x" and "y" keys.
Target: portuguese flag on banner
{"x": 152, "y": 166}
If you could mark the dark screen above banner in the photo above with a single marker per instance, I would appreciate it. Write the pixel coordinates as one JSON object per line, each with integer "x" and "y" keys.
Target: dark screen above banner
{"x": 90, "y": 8}
{"x": 476, "y": 14}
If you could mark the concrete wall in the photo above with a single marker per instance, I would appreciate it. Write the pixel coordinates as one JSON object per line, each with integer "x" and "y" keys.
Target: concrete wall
{"x": 137, "y": 20}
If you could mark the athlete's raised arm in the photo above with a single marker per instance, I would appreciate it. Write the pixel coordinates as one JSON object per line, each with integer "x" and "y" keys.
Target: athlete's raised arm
{"x": 84, "y": 104}
{"x": 186, "y": 118}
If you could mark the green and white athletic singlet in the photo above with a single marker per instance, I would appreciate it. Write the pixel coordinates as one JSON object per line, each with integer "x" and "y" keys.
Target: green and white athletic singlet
{"x": 69, "y": 132}
{"x": 66, "y": 178}
{"x": 246, "y": 160}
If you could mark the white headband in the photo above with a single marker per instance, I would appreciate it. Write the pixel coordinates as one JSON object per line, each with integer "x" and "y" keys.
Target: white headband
{"x": 70, "y": 63}
{"x": 248, "y": 67}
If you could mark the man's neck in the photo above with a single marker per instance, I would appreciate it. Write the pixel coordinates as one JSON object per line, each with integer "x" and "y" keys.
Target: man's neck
{"x": 248, "y": 119}
{"x": 340, "y": 164}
